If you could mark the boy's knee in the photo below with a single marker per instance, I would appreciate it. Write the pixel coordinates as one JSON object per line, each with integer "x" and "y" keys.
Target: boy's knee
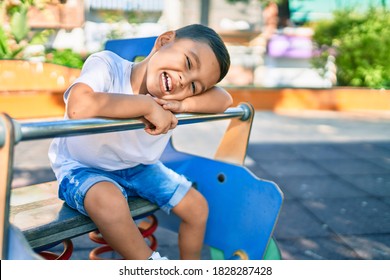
{"x": 193, "y": 208}
{"x": 104, "y": 200}
{"x": 200, "y": 208}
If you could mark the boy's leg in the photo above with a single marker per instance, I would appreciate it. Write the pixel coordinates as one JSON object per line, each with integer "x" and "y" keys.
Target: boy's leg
{"x": 193, "y": 211}
{"x": 109, "y": 210}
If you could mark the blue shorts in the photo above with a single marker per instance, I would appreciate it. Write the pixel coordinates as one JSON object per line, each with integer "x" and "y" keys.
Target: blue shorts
{"x": 155, "y": 182}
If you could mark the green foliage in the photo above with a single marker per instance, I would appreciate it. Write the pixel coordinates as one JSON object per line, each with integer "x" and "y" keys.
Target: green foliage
{"x": 65, "y": 57}
{"x": 9, "y": 51}
{"x": 3, "y": 43}
{"x": 360, "y": 45}
{"x": 15, "y": 37}
{"x": 135, "y": 16}
{"x": 18, "y": 22}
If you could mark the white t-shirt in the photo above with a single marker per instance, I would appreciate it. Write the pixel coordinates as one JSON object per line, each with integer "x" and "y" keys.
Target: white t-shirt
{"x": 106, "y": 72}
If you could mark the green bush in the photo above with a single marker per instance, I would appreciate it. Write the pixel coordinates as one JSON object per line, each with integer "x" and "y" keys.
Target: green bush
{"x": 360, "y": 43}
{"x": 16, "y": 35}
{"x": 65, "y": 57}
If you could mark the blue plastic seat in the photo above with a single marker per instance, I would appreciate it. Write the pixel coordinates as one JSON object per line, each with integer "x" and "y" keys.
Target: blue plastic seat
{"x": 131, "y": 48}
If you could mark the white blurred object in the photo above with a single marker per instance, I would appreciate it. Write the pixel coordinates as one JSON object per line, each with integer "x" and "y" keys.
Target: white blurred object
{"x": 266, "y": 76}
{"x": 96, "y": 34}
{"x": 229, "y": 24}
{"x": 73, "y": 40}
{"x": 246, "y": 56}
{"x": 34, "y": 53}
{"x": 149, "y": 29}
{"x": 331, "y": 70}
{"x": 298, "y": 31}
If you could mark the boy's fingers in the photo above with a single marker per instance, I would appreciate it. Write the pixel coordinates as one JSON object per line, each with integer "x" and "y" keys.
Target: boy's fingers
{"x": 152, "y": 131}
{"x": 160, "y": 101}
{"x": 167, "y": 106}
{"x": 174, "y": 122}
{"x": 172, "y": 106}
{"x": 147, "y": 123}
{"x": 158, "y": 130}
{"x": 173, "y": 97}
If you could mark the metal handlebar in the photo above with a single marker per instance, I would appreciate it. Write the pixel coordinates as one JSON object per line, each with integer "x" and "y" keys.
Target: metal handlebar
{"x": 61, "y": 128}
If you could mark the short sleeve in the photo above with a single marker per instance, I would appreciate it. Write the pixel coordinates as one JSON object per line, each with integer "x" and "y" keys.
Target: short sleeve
{"x": 96, "y": 73}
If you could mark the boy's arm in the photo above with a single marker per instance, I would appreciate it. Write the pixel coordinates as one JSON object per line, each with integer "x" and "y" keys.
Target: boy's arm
{"x": 214, "y": 100}
{"x": 83, "y": 103}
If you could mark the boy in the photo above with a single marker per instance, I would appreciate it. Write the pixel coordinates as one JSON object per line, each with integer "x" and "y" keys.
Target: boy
{"x": 98, "y": 172}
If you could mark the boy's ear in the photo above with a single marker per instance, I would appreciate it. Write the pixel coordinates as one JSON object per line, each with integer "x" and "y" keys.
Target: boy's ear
{"x": 166, "y": 37}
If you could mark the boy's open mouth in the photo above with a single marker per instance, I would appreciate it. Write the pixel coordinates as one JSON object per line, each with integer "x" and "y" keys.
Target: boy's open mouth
{"x": 167, "y": 82}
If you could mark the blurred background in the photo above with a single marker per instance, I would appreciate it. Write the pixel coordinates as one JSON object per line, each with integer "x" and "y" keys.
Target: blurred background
{"x": 273, "y": 43}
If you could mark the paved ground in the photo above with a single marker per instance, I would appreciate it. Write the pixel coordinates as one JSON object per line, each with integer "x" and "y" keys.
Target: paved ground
{"x": 334, "y": 170}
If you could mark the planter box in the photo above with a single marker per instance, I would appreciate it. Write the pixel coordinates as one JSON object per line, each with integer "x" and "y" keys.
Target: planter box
{"x": 335, "y": 99}
{"x": 33, "y": 89}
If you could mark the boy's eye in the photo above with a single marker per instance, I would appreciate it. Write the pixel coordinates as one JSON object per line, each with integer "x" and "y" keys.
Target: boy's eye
{"x": 188, "y": 62}
{"x": 193, "y": 88}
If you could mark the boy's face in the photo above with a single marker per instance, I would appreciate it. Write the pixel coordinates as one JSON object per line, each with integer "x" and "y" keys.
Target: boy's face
{"x": 182, "y": 68}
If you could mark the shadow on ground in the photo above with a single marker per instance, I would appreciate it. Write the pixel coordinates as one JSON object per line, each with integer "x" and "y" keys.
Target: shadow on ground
{"x": 337, "y": 197}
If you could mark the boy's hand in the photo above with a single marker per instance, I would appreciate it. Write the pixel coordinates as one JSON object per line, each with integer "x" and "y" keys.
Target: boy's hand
{"x": 159, "y": 120}
{"x": 174, "y": 106}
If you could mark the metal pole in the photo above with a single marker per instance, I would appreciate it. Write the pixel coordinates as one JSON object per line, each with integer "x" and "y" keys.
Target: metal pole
{"x": 204, "y": 12}
{"x": 62, "y": 128}
{"x": 6, "y": 170}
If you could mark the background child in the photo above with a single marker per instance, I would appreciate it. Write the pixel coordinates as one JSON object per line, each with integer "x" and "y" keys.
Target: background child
{"x": 97, "y": 173}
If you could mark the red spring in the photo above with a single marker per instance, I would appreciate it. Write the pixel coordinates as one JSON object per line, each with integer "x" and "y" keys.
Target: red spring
{"x": 147, "y": 228}
{"x": 65, "y": 255}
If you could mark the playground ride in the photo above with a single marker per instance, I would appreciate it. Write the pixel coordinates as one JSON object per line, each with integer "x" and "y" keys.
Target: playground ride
{"x": 243, "y": 209}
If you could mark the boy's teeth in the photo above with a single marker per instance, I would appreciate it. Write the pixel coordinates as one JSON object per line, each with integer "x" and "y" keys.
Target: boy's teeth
{"x": 166, "y": 81}
{"x": 163, "y": 81}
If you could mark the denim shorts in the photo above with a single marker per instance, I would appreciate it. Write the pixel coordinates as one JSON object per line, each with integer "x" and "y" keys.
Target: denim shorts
{"x": 155, "y": 182}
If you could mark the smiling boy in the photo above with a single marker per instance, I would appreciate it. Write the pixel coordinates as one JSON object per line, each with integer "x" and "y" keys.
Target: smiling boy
{"x": 97, "y": 173}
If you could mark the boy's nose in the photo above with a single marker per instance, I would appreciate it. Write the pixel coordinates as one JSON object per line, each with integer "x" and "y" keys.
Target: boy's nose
{"x": 183, "y": 80}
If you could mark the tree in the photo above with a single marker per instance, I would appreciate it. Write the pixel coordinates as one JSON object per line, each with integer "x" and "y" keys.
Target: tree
{"x": 359, "y": 43}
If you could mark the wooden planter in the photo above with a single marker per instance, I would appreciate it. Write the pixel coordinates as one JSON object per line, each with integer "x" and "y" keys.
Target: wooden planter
{"x": 335, "y": 99}
{"x": 33, "y": 89}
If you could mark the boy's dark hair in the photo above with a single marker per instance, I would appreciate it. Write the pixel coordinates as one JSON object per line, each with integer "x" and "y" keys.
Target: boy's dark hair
{"x": 202, "y": 33}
